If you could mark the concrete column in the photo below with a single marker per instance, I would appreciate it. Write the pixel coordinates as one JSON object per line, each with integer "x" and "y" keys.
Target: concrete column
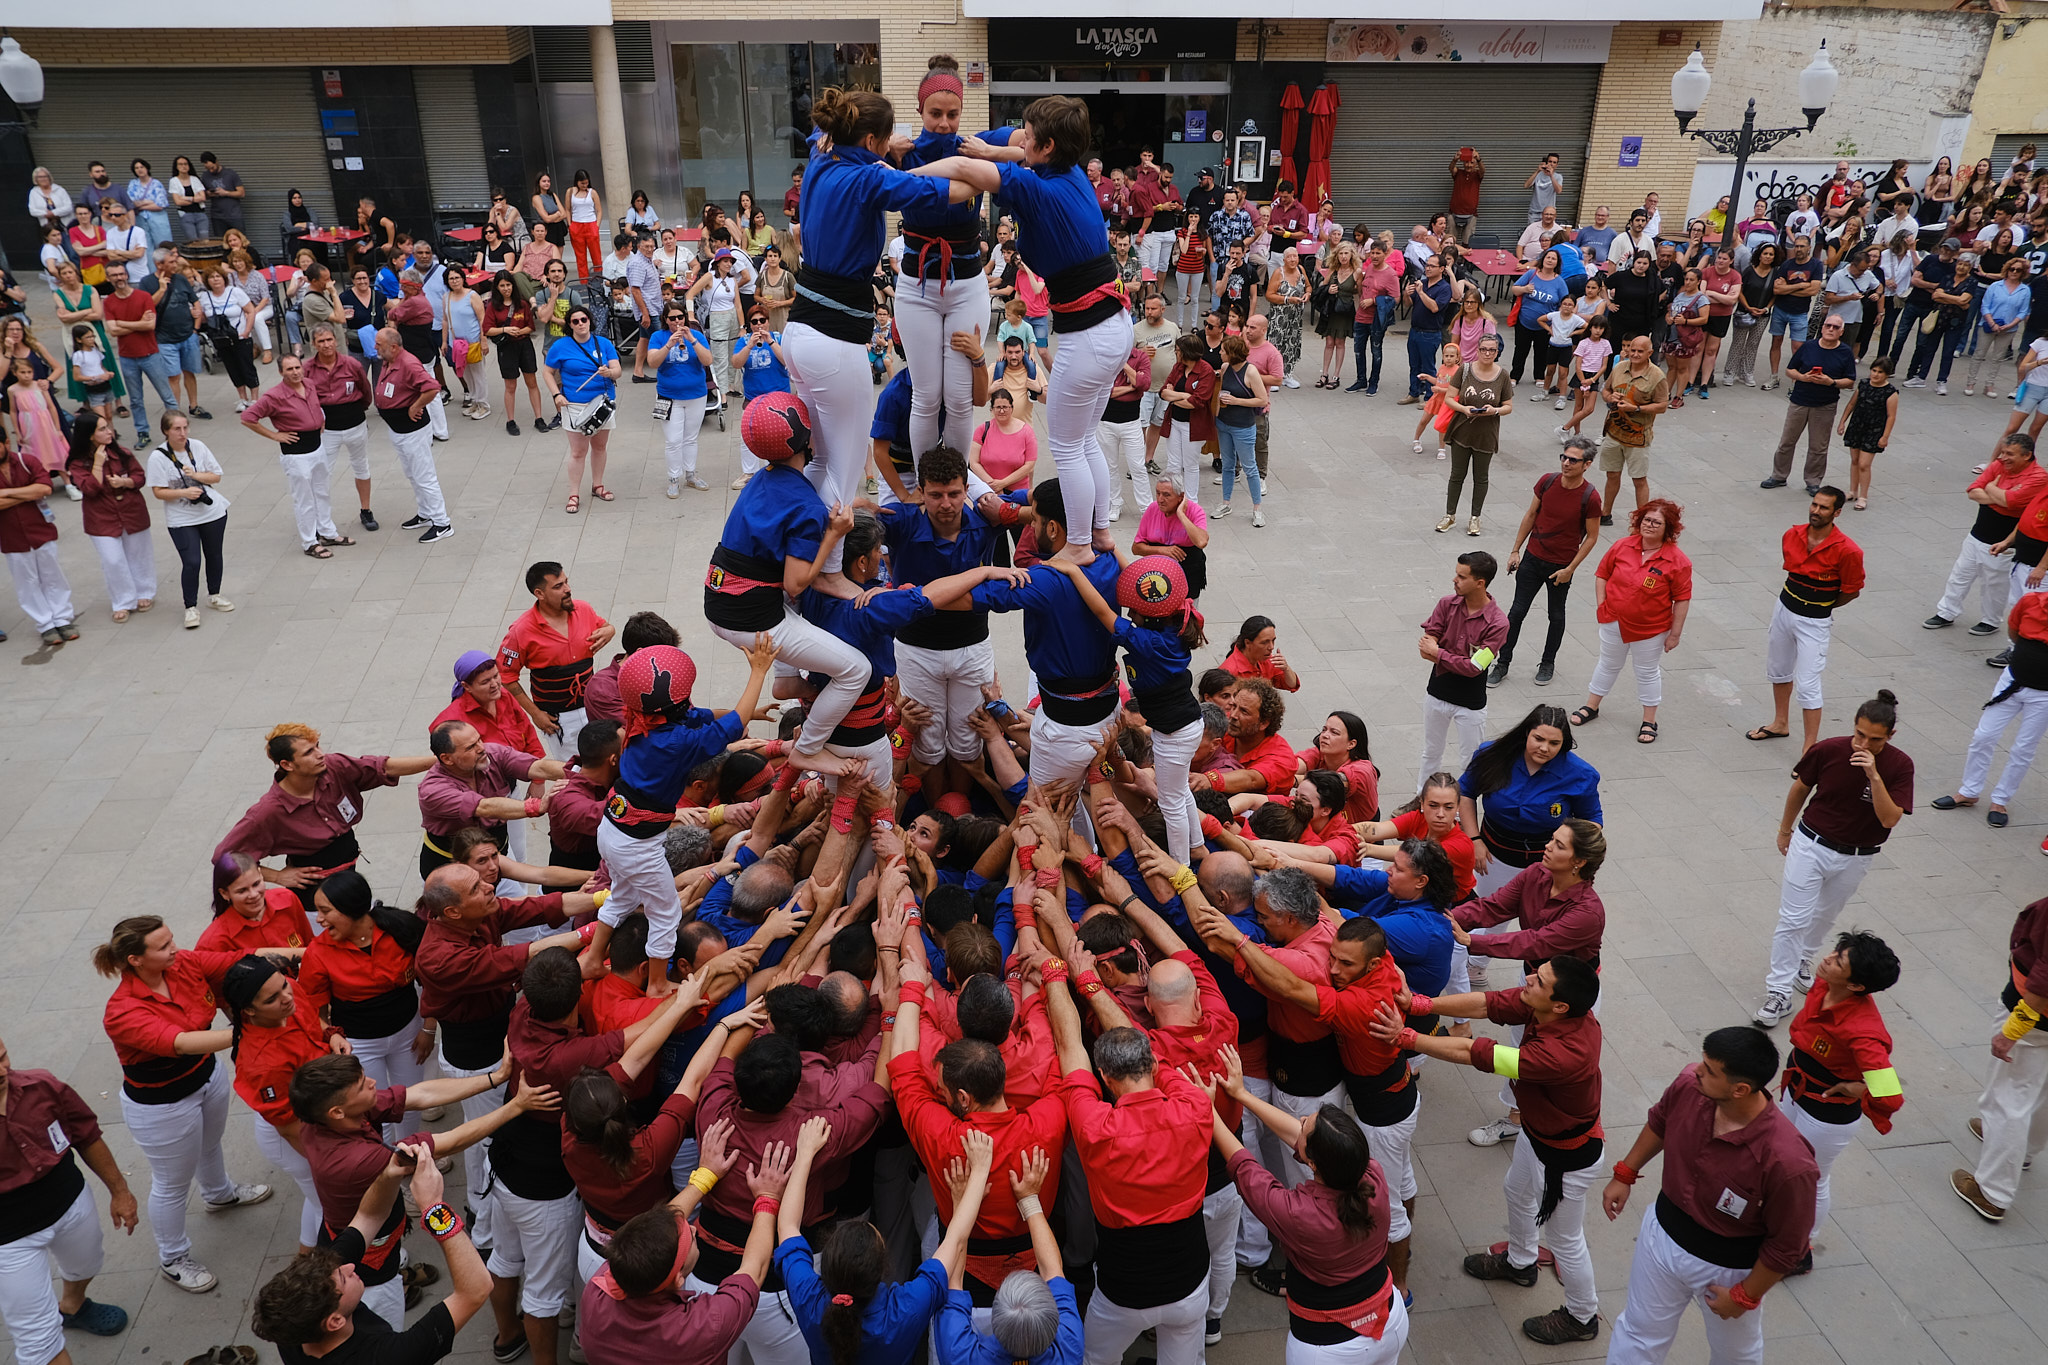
{"x": 611, "y": 129}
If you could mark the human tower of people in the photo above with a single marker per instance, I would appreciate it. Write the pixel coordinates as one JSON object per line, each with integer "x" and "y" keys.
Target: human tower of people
{"x": 1020, "y": 1030}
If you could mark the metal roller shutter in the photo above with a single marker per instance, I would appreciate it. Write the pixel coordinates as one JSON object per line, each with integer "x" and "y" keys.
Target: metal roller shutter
{"x": 454, "y": 139}
{"x": 2007, "y": 146}
{"x": 1399, "y": 126}
{"x": 261, "y": 122}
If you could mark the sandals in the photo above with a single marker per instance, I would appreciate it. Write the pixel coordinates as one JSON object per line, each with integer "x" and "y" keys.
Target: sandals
{"x": 1764, "y": 732}
{"x": 1646, "y": 733}
{"x": 601, "y": 493}
{"x": 1270, "y": 1278}
{"x": 421, "y": 1275}
{"x": 318, "y": 550}
{"x": 1676, "y": 402}
{"x": 334, "y": 540}
{"x": 574, "y": 505}
{"x": 120, "y": 618}
{"x": 1585, "y": 715}
{"x": 225, "y": 1355}
{"x": 1862, "y": 504}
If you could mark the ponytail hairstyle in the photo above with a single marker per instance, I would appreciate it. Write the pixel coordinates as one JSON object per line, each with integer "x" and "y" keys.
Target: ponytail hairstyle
{"x": 228, "y": 869}
{"x": 595, "y": 1114}
{"x": 1342, "y": 1157}
{"x": 239, "y": 989}
{"x": 1192, "y": 634}
{"x": 851, "y": 117}
{"x": 129, "y": 939}
{"x": 851, "y": 1267}
{"x": 1446, "y": 780}
{"x": 1882, "y": 709}
{"x": 349, "y": 893}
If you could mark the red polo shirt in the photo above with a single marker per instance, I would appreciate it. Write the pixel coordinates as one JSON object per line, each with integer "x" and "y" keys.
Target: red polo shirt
{"x": 267, "y": 1057}
{"x": 1175, "y": 1045}
{"x": 281, "y": 925}
{"x": 1307, "y": 955}
{"x": 2029, "y": 948}
{"x": 559, "y": 662}
{"x": 144, "y": 1025}
{"x": 332, "y": 970}
{"x": 610, "y": 1198}
{"x": 346, "y": 1164}
{"x": 134, "y": 308}
{"x": 511, "y": 727}
{"x": 1817, "y": 575}
{"x": 1272, "y": 758}
{"x": 1350, "y": 1014}
{"x": 1457, "y": 845}
{"x": 1145, "y": 1161}
{"x": 1643, "y": 590}
{"x": 1843, "y": 1042}
{"x": 574, "y": 808}
{"x": 1361, "y": 778}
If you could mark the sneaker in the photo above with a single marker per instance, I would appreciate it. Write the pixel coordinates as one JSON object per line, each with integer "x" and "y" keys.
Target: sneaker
{"x": 1941, "y": 388}
{"x": 191, "y": 1276}
{"x": 1290, "y": 382}
{"x": 1775, "y": 1010}
{"x": 2044, "y": 845}
{"x": 1218, "y": 481}
{"x": 694, "y": 480}
{"x": 413, "y": 523}
{"x": 1472, "y": 527}
{"x": 1750, "y": 380}
{"x": 442, "y": 440}
{"x": 1372, "y": 390}
{"x": 1223, "y": 511}
{"x": 1446, "y": 524}
{"x": 1936, "y": 622}
{"x": 1558, "y": 406}
{"x": 1771, "y": 383}
{"x": 201, "y": 413}
{"x": 100, "y": 1319}
{"x": 71, "y": 492}
{"x": 1984, "y": 628}
{"x": 1811, "y": 489}
{"x": 368, "y": 519}
{"x": 1607, "y": 520}
{"x": 1258, "y": 517}
{"x": 870, "y": 486}
{"x": 1990, "y": 392}
{"x": 1977, "y": 1132}
{"x": 675, "y": 488}
{"x": 1969, "y": 390}
{"x": 244, "y": 1194}
{"x": 241, "y": 405}
{"x": 509, "y": 1351}
{"x": 2000, "y": 659}
{"x": 1544, "y": 673}
{"x": 511, "y": 426}
{"x": 191, "y": 618}
{"x": 1494, "y": 1265}
{"x": 219, "y": 603}
{"x": 1498, "y": 674}
{"x": 434, "y": 533}
{"x": 1970, "y": 1192}
{"x": 1212, "y": 1331}
{"x": 1803, "y": 982}
{"x": 1914, "y": 384}
{"x": 479, "y": 412}
{"x": 1493, "y": 1135}
{"x": 739, "y": 482}
{"x": 1772, "y": 482}
{"x": 1805, "y": 1266}
{"x": 1355, "y": 388}
{"x": 1152, "y": 468}
{"x": 1116, "y": 511}
{"x": 1558, "y": 1327}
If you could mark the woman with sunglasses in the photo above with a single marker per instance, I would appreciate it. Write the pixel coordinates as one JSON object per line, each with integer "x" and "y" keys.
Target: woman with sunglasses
{"x": 680, "y": 355}
{"x": 582, "y": 377}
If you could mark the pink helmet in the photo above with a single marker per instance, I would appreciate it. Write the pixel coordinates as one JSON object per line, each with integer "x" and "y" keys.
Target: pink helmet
{"x": 1153, "y": 585}
{"x": 777, "y": 427}
{"x": 653, "y": 683}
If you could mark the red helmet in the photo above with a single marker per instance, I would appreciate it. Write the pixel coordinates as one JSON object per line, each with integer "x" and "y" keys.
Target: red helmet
{"x": 777, "y": 427}
{"x": 653, "y": 683}
{"x": 1152, "y": 585}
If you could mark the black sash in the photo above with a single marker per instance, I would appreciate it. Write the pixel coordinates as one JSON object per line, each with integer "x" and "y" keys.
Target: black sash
{"x": 852, "y": 320}
{"x": 1304, "y": 1069}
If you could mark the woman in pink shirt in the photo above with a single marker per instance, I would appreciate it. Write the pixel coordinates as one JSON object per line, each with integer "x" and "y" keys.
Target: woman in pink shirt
{"x": 1176, "y": 526}
{"x": 1005, "y": 447}
{"x": 1037, "y": 305}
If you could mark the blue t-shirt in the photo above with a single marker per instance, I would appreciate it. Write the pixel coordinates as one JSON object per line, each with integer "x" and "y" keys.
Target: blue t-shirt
{"x": 578, "y": 366}
{"x": 1596, "y": 240}
{"x": 1062, "y": 639}
{"x": 957, "y": 1343}
{"x": 1418, "y": 934}
{"x": 657, "y": 765}
{"x": 681, "y": 376}
{"x": 892, "y": 412}
{"x": 716, "y": 911}
{"x": 1574, "y": 265}
{"x": 919, "y": 554}
{"x": 1836, "y": 362}
{"x": 776, "y": 516}
{"x": 1153, "y": 658}
{"x": 1541, "y": 300}
{"x": 846, "y": 192}
{"x": 1420, "y": 319}
{"x": 893, "y": 1323}
{"x": 1532, "y": 805}
{"x": 765, "y": 373}
{"x": 871, "y": 629}
{"x": 1059, "y": 219}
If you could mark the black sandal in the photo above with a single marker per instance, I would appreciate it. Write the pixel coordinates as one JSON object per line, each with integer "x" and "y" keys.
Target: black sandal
{"x": 318, "y": 551}
{"x": 1585, "y": 715}
{"x": 1270, "y": 1278}
{"x": 334, "y": 540}
{"x": 1646, "y": 733}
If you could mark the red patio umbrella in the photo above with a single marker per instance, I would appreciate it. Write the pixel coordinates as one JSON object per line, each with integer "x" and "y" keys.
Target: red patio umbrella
{"x": 1290, "y": 127}
{"x": 1322, "y": 131}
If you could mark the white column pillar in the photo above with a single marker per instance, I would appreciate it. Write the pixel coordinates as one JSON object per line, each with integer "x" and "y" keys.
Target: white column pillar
{"x": 611, "y": 130}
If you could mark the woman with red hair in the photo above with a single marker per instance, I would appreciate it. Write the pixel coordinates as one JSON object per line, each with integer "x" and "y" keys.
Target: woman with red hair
{"x": 1643, "y": 589}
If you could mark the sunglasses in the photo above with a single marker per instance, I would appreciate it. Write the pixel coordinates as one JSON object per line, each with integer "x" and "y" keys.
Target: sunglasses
{"x": 1576, "y": 459}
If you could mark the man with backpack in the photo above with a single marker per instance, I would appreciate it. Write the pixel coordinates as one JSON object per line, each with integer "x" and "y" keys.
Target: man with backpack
{"x": 1561, "y": 527}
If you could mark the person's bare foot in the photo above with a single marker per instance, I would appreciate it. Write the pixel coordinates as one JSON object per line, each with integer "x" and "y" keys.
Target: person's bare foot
{"x": 822, "y": 763}
{"x": 1083, "y": 555}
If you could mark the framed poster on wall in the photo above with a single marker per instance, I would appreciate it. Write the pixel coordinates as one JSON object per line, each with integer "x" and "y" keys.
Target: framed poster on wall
{"x": 1248, "y": 166}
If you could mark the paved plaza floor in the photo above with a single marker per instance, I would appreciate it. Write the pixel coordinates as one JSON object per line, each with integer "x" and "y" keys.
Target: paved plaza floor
{"x": 128, "y": 753}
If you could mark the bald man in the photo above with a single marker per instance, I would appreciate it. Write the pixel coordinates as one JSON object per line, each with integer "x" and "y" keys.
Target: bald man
{"x": 402, "y": 392}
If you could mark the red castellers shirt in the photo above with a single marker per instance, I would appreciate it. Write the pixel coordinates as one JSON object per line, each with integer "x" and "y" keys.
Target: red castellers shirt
{"x": 267, "y": 1057}
{"x": 1350, "y": 1014}
{"x": 145, "y": 1025}
{"x": 1272, "y": 758}
{"x": 560, "y": 662}
{"x": 1030, "y": 1061}
{"x": 1845, "y": 1042}
{"x": 1146, "y": 1164}
{"x": 282, "y": 925}
{"x": 1175, "y": 1046}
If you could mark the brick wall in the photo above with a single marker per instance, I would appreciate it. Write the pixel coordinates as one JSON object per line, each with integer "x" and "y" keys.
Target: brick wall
{"x": 1635, "y": 101}
{"x": 276, "y": 47}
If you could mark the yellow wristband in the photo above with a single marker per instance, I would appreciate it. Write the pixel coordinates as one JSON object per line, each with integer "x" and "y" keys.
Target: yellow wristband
{"x": 702, "y": 1179}
{"x": 715, "y": 816}
{"x": 2021, "y": 1021}
{"x": 1182, "y": 880}
{"x": 601, "y": 897}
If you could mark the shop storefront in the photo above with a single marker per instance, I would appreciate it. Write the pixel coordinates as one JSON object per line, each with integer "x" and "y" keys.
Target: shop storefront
{"x": 1160, "y": 84}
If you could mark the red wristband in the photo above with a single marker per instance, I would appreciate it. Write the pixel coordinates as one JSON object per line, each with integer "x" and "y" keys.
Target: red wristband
{"x": 1739, "y": 1291}
{"x": 767, "y": 1203}
{"x": 1045, "y": 878}
{"x": 1054, "y": 970}
{"x": 1091, "y": 866}
{"x": 587, "y": 933}
{"x": 534, "y": 806}
{"x": 910, "y": 993}
{"x": 1626, "y": 1174}
{"x": 910, "y": 783}
{"x": 774, "y": 748}
{"x": 1089, "y": 982}
{"x": 1421, "y": 1004}
{"x": 786, "y": 780}
{"x": 1405, "y": 1040}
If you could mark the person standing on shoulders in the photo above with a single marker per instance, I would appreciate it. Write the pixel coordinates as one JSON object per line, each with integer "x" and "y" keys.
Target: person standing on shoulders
{"x": 1823, "y": 571}
{"x": 1847, "y": 796}
{"x": 1820, "y": 370}
{"x": 1563, "y": 503}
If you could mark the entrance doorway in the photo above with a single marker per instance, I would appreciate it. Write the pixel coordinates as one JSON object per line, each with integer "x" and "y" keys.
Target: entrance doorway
{"x": 1124, "y": 122}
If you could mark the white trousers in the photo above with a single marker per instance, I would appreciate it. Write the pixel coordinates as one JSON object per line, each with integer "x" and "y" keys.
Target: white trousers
{"x": 1111, "y": 1328}
{"x": 1565, "y": 1231}
{"x": 1156, "y": 253}
{"x": 388, "y": 1062}
{"x": 2017, "y": 576}
{"x": 128, "y": 563}
{"x": 1663, "y": 1281}
{"x": 1438, "y": 716}
{"x": 833, "y": 379}
{"x": 40, "y": 586}
{"x": 534, "y": 1241}
{"x": 437, "y": 416}
{"x": 1074, "y": 398}
{"x": 562, "y": 745}
{"x": 476, "y": 1167}
{"x": 416, "y": 460}
{"x": 287, "y": 1158}
{"x": 356, "y": 441}
{"x": 1975, "y": 566}
{"x": 2029, "y": 706}
{"x": 1173, "y": 753}
{"x": 1645, "y": 656}
{"x": 1062, "y": 753}
{"x": 1796, "y": 652}
{"x": 1394, "y": 1148}
{"x": 1220, "y": 1213}
{"x": 312, "y": 507}
{"x": 807, "y": 648}
{"x": 387, "y": 1300}
{"x": 1359, "y": 1350}
{"x": 679, "y": 435}
{"x": 2014, "y": 1110}
{"x": 182, "y": 1143}
{"x": 641, "y": 881}
{"x": 1818, "y": 883}
{"x": 1180, "y": 459}
{"x": 948, "y": 683}
{"x": 1828, "y": 1140}
{"x": 771, "y": 1336}
{"x": 928, "y": 312}
{"x": 1123, "y": 451}
{"x": 28, "y": 1300}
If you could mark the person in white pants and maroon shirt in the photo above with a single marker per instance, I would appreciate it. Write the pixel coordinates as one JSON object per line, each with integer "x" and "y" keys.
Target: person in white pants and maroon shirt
{"x": 28, "y": 538}
{"x": 1861, "y": 786}
{"x": 1735, "y": 1212}
{"x": 1460, "y": 640}
{"x": 50, "y": 1216}
{"x": 2012, "y": 1114}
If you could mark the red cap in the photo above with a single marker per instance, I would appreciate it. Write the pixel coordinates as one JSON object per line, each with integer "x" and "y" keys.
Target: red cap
{"x": 777, "y": 427}
{"x": 653, "y": 682}
{"x": 1152, "y": 585}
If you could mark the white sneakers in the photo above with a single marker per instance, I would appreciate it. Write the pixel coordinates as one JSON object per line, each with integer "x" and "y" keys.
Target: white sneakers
{"x": 675, "y": 488}
{"x": 244, "y": 1195}
{"x": 189, "y": 1275}
{"x": 1258, "y": 516}
{"x": 191, "y": 618}
{"x": 1494, "y": 1134}
{"x": 1775, "y": 1010}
